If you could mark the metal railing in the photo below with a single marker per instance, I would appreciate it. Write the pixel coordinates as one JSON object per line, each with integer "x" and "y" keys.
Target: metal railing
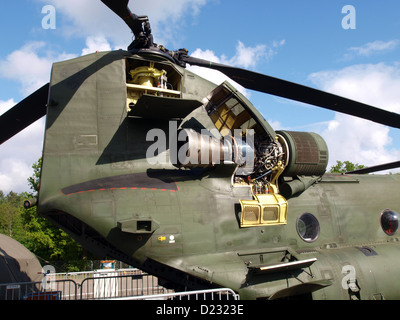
{"x": 210, "y": 294}
{"x": 79, "y": 276}
{"x": 119, "y": 286}
{"x": 44, "y": 290}
{"x": 83, "y": 286}
{"x": 128, "y": 284}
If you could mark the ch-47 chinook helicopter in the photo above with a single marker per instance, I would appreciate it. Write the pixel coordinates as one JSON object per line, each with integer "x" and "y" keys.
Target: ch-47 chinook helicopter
{"x": 231, "y": 203}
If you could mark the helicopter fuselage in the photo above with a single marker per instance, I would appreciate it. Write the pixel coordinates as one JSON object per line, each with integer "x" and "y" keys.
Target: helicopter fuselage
{"x": 185, "y": 224}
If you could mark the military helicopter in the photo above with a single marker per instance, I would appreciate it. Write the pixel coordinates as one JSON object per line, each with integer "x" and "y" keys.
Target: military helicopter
{"x": 146, "y": 162}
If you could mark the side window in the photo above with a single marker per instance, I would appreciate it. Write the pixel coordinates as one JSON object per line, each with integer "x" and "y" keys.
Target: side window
{"x": 389, "y": 221}
{"x": 307, "y": 226}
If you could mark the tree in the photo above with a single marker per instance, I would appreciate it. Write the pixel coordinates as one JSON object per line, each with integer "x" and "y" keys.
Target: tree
{"x": 35, "y": 179}
{"x": 345, "y": 166}
{"x": 10, "y": 215}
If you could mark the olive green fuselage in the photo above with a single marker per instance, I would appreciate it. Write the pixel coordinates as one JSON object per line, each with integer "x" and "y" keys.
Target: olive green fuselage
{"x": 97, "y": 184}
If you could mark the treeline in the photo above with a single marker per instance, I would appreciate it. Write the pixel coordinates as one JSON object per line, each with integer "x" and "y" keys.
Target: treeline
{"x": 345, "y": 166}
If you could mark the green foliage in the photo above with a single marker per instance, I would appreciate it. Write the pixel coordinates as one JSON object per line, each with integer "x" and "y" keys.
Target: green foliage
{"x": 48, "y": 241}
{"x": 11, "y": 222}
{"x": 34, "y": 180}
{"x": 345, "y": 166}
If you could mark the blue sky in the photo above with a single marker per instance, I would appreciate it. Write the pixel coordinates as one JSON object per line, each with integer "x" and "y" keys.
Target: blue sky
{"x": 301, "y": 41}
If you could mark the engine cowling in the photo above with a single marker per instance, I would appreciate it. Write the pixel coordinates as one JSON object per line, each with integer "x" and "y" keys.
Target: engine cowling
{"x": 306, "y": 153}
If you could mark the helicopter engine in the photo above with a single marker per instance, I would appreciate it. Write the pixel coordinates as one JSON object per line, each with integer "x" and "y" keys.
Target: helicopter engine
{"x": 260, "y": 161}
{"x": 202, "y": 150}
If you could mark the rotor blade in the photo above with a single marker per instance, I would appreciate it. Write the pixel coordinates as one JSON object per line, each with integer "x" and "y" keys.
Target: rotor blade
{"x": 381, "y": 167}
{"x": 120, "y": 7}
{"x": 24, "y": 113}
{"x": 282, "y": 88}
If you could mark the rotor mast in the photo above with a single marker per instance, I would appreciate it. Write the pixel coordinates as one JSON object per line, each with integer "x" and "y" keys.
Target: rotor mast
{"x": 139, "y": 25}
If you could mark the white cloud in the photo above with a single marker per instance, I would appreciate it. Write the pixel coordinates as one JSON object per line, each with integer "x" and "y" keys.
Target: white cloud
{"x": 245, "y": 57}
{"x": 355, "y": 139}
{"x": 374, "y": 47}
{"x": 91, "y": 17}
{"x": 5, "y": 105}
{"x": 374, "y": 84}
{"x": 277, "y": 125}
{"x": 248, "y": 57}
{"x": 29, "y": 67}
{"x": 19, "y": 153}
{"x": 86, "y": 18}
{"x": 14, "y": 174}
{"x": 96, "y": 44}
{"x": 210, "y": 74}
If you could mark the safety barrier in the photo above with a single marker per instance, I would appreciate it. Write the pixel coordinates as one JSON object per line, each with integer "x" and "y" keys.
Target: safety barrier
{"x": 210, "y": 294}
{"x": 44, "y": 290}
{"x": 108, "y": 286}
{"x": 130, "y": 284}
{"x": 98, "y": 286}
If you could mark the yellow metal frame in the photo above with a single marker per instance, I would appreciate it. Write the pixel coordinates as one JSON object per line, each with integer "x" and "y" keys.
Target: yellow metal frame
{"x": 265, "y": 209}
